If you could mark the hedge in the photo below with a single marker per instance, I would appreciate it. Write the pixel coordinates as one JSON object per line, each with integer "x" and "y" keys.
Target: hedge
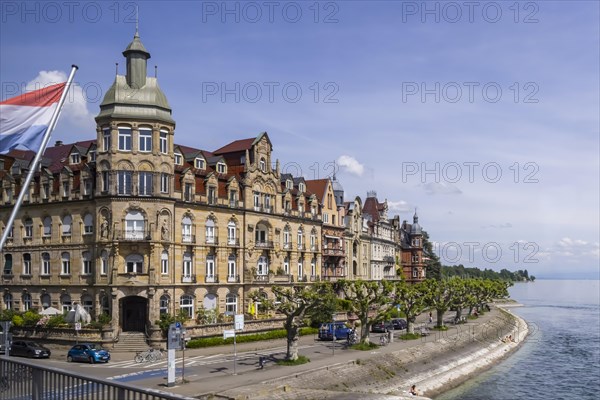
{"x": 254, "y": 337}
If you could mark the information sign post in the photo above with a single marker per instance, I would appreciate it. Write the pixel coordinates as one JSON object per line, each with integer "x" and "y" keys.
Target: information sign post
{"x": 174, "y": 342}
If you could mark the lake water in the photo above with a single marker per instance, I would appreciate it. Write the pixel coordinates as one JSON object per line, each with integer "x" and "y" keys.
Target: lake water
{"x": 561, "y": 357}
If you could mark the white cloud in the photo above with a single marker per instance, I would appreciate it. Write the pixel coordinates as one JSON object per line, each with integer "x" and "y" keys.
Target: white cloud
{"x": 568, "y": 242}
{"x": 400, "y": 206}
{"x": 351, "y": 165}
{"x": 506, "y": 225}
{"x": 434, "y": 188}
{"x": 75, "y": 108}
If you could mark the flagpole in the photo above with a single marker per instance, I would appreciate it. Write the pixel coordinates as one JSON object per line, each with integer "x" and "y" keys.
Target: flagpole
{"x": 38, "y": 156}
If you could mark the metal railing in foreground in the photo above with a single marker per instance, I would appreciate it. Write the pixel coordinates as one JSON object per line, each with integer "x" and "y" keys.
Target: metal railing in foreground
{"x": 23, "y": 381}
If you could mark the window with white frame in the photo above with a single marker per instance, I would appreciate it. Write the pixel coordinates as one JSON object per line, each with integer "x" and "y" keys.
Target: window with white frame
{"x": 134, "y": 225}
{"x": 8, "y": 262}
{"x": 210, "y": 266}
{"x": 45, "y": 190}
{"x": 199, "y": 163}
{"x": 67, "y": 225}
{"x": 178, "y": 159}
{"x": 145, "y": 140}
{"x": 45, "y": 270}
{"x": 212, "y": 195}
{"x": 300, "y": 237}
{"x": 75, "y": 158}
{"x": 187, "y": 192}
{"x": 164, "y": 182}
{"x": 186, "y": 230}
{"x": 8, "y": 301}
{"x": 87, "y": 186}
{"x": 66, "y": 188}
{"x": 104, "y": 262}
{"x": 28, "y": 224}
{"x": 313, "y": 267}
{"x": 87, "y": 303}
{"x": 289, "y": 184}
{"x": 232, "y": 198}
{"x": 300, "y": 268}
{"x": 65, "y": 262}
{"x": 231, "y": 304}
{"x": 164, "y": 263}
{"x": 187, "y": 266}
{"x": 88, "y": 224}
{"x": 164, "y": 142}
{"x": 326, "y": 218}
{"x": 256, "y": 198}
{"x": 86, "y": 263}
{"x": 65, "y": 301}
{"x": 124, "y": 138}
{"x": 301, "y": 187}
{"x": 106, "y": 139}
{"x": 231, "y": 268}
{"x": 186, "y": 305}
{"x": 260, "y": 234}
{"x": 415, "y": 272}
{"x": 145, "y": 183}
{"x": 134, "y": 264}
{"x": 124, "y": 182}
{"x": 26, "y": 301}
{"x": 221, "y": 168}
{"x": 286, "y": 238}
{"x": 231, "y": 233}
{"x": 286, "y": 265}
{"x": 262, "y": 266}
{"x": 210, "y": 231}
{"x": 26, "y": 264}
{"x": 163, "y": 306}
{"x": 262, "y": 165}
{"x": 313, "y": 240}
{"x": 267, "y": 202}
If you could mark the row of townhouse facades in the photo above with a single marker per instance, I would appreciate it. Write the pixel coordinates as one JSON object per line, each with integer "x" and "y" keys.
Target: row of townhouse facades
{"x": 134, "y": 225}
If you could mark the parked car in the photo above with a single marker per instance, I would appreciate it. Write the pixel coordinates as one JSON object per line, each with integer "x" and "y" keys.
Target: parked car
{"x": 382, "y": 326}
{"x": 399, "y": 323}
{"x": 25, "y": 348}
{"x": 88, "y": 352}
{"x": 326, "y": 331}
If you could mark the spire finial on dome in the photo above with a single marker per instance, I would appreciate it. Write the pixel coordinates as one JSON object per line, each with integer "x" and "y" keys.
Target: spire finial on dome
{"x": 137, "y": 22}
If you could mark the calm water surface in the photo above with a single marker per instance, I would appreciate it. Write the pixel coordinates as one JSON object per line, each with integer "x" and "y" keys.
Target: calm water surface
{"x": 561, "y": 357}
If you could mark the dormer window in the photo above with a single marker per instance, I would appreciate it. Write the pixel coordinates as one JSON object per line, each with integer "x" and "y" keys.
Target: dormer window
{"x": 75, "y": 158}
{"x": 221, "y": 168}
{"x": 199, "y": 163}
{"x": 15, "y": 170}
{"x": 301, "y": 187}
{"x": 289, "y": 184}
{"x": 262, "y": 165}
{"x": 92, "y": 156}
{"x": 178, "y": 159}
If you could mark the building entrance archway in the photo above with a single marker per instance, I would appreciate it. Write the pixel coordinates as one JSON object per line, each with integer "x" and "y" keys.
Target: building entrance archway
{"x": 134, "y": 313}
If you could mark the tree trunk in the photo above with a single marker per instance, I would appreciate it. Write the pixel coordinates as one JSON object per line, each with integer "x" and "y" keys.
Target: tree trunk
{"x": 364, "y": 331}
{"x": 410, "y": 324}
{"x": 292, "y": 343}
{"x": 440, "y": 317}
{"x": 458, "y": 314}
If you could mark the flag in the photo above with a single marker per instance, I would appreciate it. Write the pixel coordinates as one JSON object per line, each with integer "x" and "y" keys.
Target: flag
{"x": 25, "y": 119}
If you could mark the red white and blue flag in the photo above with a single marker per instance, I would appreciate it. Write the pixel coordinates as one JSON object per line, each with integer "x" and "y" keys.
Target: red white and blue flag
{"x": 24, "y": 119}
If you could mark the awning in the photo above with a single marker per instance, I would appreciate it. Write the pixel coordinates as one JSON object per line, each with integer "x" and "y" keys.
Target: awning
{"x": 333, "y": 237}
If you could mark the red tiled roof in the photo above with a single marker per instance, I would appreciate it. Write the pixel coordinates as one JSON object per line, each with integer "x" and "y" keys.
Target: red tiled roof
{"x": 236, "y": 146}
{"x": 318, "y": 187}
{"x": 371, "y": 207}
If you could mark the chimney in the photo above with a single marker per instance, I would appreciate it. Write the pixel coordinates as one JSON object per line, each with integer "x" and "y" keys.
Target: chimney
{"x": 58, "y": 143}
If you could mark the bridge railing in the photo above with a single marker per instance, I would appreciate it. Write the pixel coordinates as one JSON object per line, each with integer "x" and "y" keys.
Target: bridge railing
{"x": 20, "y": 380}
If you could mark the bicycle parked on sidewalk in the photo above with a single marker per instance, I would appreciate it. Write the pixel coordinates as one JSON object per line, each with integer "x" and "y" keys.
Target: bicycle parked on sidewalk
{"x": 384, "y": 340}
{"x": 352, "y": 338}
{"x": 150, "y": 355}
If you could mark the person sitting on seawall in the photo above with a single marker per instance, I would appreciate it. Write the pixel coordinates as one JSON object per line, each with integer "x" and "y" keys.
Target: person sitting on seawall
{"x": 413, "y": 390}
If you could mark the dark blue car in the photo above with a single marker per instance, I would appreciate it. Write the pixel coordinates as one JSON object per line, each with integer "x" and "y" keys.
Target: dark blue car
{"x": 326, "y": 331}
{"x": 88, "y": 352}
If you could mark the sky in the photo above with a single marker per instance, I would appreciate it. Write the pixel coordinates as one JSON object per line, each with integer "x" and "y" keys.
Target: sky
{"x": 483, "y": 116}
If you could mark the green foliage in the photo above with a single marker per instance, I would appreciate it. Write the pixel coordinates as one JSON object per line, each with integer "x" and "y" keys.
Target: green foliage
{"x": 7, "y": 315}
{"x": 440, "y": 328}
{"x": 31, "y": 318}
{"x": 56, "y": 321}
{"x": 102, "y": 320}
{"x": 167, "y": 319}
{"x": 504, "y": 274}
{"x": 299, "y": 361}
{"x": 17, "y": 320}
{"x": 409, "y": 336}
{"x": 255, "y": 337}
{"x": 206, "y": 317}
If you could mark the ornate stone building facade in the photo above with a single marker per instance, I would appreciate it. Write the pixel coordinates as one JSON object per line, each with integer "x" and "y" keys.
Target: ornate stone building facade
{"x": 134, "y": 225}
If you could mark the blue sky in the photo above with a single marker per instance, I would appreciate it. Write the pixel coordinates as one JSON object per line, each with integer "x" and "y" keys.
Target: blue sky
{"x": 501, "y": 99}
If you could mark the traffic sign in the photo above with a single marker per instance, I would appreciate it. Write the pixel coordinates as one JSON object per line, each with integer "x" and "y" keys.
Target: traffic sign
{"x": 227, "y": 333}
{"x": 239, "y": 322}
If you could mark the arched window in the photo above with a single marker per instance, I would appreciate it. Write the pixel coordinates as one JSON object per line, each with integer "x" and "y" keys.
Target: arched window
{"x": 164, "y": 303}
{"x": 46, "y": 301}
{"x": 26, "y": 301}
{"x": 231, "y": 304}
{"x": 231, "y": 233}
{"x": 105, "y": 304}
{"x": 286, "y": 265}
{"x": 210, "y": 301}
{"x": 65, "y": 262}
{"x": 104, "y": 262}
{"x": 88, "y": 224}
{"x": 231, "y": 269}
{"x": 67, "y": 225}
{"x": 134, "y": 264}
{"x": 300, "y": 268}
{"x": 87, "y": 303}
{"x": 186, "y": 304}
{"x": 313, "y": 240}
{"x": 65, "y": 301}
{"x": 210, "y": 268}
{"x": 262, "y": 298}
{"x": 186, "y": 230}
{"x": 8, "y": 301}
{"x": 287, "y": 240}
{"x": 300, "y": 238}
{"x": 86, "y": 263}
{"x": 28, "y": 224}
{"x": 26, "y": 264}
{"x": 134, "y": 225}
{"x": 164, "y": 263}
{"x": 260, "y": 235}
{"x": 262, "y": 267}
{"x": 210, "y": 231}
{"x": 262, "y": 165}
{"x": 47, "y": 226}
{"x": 186, "y": 272}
